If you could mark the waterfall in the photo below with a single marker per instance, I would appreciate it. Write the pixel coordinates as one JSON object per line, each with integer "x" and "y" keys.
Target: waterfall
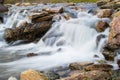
{"x": 66, "y": 42}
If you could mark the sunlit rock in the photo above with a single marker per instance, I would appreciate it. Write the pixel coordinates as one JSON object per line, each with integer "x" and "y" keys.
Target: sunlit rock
{"x": 32, "y": 75}
{"x": 104, "y": 13}
{"x": 114, "y": 36}
{"x": 54, "y": 10}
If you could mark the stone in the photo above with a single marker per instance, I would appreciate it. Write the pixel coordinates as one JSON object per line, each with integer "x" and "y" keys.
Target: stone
{"x": 114, "y": 36}
{"x": 108, "y": 54}
{"x": 17, "y": 4}
{"x": 29, "y": 32}
{"x": 32, "y": 75}
{"x": 106, "y": 6}
{"x": 79, "y": 66}
{"x": 101, "y": 26}
{"x": 89, "y": 75}
{"x": 104, "y": 13}
{"x": 116, "y": 14}
{"x": 100, "y": 3}
{"x": 103, "y": 67}
{"x": 31, "y": 54}
{"x": 118, "y": 62}
{"x": 99, "y": 37}
{"x": 67, "y": 16}
{"x": 54, "y": 10}
{"x": 52, "y": 75}
{"x": 26, "y": 4}
{"x": 3, "y": 8}
{"x": 12, "y": 78}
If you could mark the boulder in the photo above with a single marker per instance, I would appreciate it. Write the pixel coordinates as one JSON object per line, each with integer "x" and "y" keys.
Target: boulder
{"x": 114, "y": 36}
{"x": 104, "y": 13}
{"x": 79, "y": 66}
{"x": 41, "y": 16}
{"x": 100, "y": 3}
{"x": 28, "y": 32}
{"x": 101, "y": 26}
{"x": 54, "y": 10}
{"x": 118, "y": 62}
{"x": 103, "y": 67}
{"x": 32, "y": 75}
{"x": 3, "y": 8}
{"x": 89, "y": 75}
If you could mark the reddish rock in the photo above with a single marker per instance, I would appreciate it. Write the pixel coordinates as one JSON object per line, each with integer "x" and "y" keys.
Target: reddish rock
{"x": 104, "y": 13}
{"x": 114, "y": 36}
{"x": 101, "y": 26}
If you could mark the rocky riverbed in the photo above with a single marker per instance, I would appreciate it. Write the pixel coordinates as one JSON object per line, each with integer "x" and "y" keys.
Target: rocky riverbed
{"x": 65, "y": 41}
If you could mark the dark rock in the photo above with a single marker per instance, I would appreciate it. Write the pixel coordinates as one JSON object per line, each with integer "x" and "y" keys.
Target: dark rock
{"x": 52, "y": 75}
{"x": 118, "y": 62}
{"x": 108, "y": 54}
{"x": 3, "y": 8}
{"x": 103, "y": 67}
{"x": 31, "y": 54}
{"x": 28, "y": 32}
{"x": 99, "y": 37}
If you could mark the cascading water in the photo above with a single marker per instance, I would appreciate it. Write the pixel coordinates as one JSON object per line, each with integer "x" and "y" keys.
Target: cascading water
{"x": 66, "y": 42}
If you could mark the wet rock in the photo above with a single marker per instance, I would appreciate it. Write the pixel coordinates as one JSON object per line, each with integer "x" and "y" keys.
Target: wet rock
{"x": 29, "y": 32}
{"x": 118, "y": 62}
{"x": 89, "y": 75}
{"x": 101, "y": 26}
{"x": 54, "y": 10}
{"x": 115, "y": 75}
{"x": 32, "y": 75}
{"x": 79, "y": 66}
{"x": 117, "y": 5}
{"x": 52, "y": 75}
{"x": 2, "y": 1}
{"x": 12, "y": 78}
{"x": 67, "y": 16}
{"x": 104, "y": 13}
{"x": 31, "y": 54}
{"x": 114, "y": 36}
{"x": 3, "y": 8}
{"x": 99, "y": 37}
{"x": 103, "y": 67}
{"x": 107, "y": 6}
{"x": 108, "y": 54}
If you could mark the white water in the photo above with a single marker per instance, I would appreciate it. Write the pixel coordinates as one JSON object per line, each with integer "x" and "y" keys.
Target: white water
{"x": 66, "y": 42}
